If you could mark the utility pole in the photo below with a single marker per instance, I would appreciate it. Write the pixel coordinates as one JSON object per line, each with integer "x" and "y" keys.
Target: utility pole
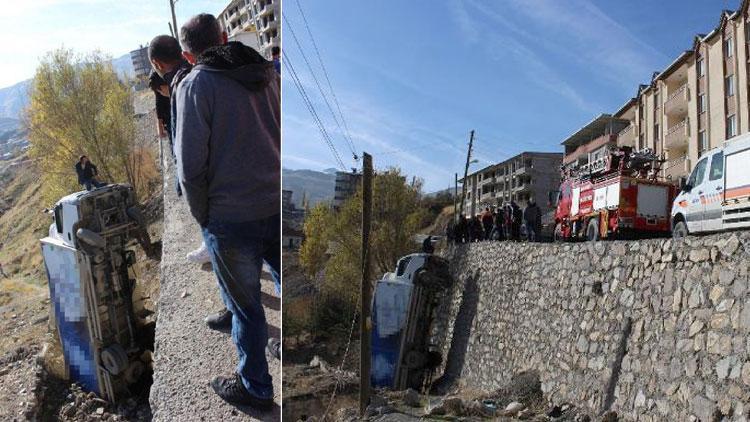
{"x": 455, "y": 200}
{"x": 171, "y": 31}
{"x": 466, "y": 171}
{"x": 364, "y": 315}
{"x": 174, "y": 19}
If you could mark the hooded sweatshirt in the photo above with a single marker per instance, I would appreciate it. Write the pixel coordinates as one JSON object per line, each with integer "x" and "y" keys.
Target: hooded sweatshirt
{"x": 227, "y": 138}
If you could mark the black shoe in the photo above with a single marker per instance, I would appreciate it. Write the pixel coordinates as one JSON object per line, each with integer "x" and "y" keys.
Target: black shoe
{"x": 221, "y": 321}
{"x": 234, "y": 392}
{"x": 273, "y": 348}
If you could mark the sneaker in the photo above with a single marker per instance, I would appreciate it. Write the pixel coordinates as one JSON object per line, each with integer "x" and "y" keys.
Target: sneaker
{"x": 234, "y": 392}
{"x": 220, "y": 321}
{"x": 200, "y": 255}
{"x": 273, "y": 348}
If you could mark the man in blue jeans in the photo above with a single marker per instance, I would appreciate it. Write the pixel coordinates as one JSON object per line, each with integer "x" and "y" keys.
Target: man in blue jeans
{"x": 227, "y": 144}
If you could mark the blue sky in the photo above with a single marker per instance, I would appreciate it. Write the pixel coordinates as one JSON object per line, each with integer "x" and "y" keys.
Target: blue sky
{"x": 414, "y": 77}
{"x": 30, "y": 28}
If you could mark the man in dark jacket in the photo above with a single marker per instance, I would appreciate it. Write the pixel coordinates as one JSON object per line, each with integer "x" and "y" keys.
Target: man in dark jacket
{"x": 227, "y": 143}
{"x": 532, "y": 217}
{"x": 497, "y": 225}
{"x": 87, "y": 173}
{"x": 486, "y": 217}
{"x": 516, "y": 217}
{"x": 163, "y": 111}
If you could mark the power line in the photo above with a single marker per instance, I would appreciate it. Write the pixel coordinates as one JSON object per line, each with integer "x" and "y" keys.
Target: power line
{"x": 311, "y": 109}
{"x": 288, "y": 26}
{"x": 328, "y": 80}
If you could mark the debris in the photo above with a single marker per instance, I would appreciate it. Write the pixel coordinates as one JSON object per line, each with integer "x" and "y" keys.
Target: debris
{"x": 184, "y": 294}
{"x": 453, "y": 405}
{"x": 411, "y": 398}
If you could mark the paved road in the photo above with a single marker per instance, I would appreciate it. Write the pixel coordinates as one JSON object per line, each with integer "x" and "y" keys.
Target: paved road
{"x": 187, "y": 354}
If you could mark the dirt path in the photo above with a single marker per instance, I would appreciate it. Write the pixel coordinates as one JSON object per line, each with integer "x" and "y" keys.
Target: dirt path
{"x": 187, "y": 353}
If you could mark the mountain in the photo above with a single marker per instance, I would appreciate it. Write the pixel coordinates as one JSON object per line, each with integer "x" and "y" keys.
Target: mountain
{"x": 317, "y": 185}
{"x": 15, "y": 97}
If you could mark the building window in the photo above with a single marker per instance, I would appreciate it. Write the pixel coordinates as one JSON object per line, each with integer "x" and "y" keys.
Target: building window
{"x": 729, "y": 85}
{"x": 656, "y": 100}
{"x": 702, "y": 142}
{"x": 728, "y": 48}
{"x": 701, "y": 103}
{"x": 699, "y": 68}
{"x": 731, "y": 126}
{"x": 656, "y": 134}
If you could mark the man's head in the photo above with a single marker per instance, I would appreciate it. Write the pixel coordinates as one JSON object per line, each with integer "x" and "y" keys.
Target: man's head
{"x": 200, "y": 33}
{"x": 275, "y": 52}
{"x": 164, "y": 53}
{"x": 83, "y": 159}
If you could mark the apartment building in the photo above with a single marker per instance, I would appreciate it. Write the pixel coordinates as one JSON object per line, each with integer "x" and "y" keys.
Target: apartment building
{"x": 141, "y": 64}
{"x": 591, "y": 142}
{"x": 527, "y": 175}
{"x": 346, "y": 185}
{"x": 253, "y": 22}
{"x": 697, "y": 102}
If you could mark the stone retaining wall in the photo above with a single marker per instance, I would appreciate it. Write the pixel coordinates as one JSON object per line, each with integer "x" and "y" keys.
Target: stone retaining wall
{"x": 655, "y": 330}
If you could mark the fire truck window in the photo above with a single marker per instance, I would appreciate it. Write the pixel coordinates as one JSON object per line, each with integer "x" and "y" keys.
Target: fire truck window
{"x": 697, "y": 177}
{"x": 717, "y": 166}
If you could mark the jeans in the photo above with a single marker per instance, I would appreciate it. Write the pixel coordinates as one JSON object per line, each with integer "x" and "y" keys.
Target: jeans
{"x": 89, "y": 182}
{"x": 237, "y": 252}
{"x": 533, "y": 233}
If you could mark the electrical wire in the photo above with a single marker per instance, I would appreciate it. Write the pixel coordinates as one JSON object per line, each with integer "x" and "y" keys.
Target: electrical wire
{"x": 311, "y": 108}
{"x": 288, "y": 27}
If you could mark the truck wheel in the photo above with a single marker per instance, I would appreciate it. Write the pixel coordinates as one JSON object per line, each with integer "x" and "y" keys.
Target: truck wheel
{"x": 592, "y": 231}
{"x": 680, "y": 230}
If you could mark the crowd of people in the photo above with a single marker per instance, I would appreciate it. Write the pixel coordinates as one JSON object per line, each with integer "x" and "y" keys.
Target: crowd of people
{"x": 501, "y": 223}
{"x": 218, "y": 104}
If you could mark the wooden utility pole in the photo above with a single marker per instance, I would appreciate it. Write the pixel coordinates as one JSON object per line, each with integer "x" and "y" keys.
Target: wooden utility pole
{"x": 455, "y": 200}
{"x": 366, "y": 294}
{"x": 174, "y": 19}
{"x": 171, "y": 31}
{"x": 466, "y": 172}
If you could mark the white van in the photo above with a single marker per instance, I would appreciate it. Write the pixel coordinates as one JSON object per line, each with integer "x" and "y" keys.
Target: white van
{"x": 716, "y": 196}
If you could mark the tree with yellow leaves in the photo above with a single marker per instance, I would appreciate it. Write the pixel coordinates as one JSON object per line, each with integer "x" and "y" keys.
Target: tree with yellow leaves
{"x": 78, "y": 106}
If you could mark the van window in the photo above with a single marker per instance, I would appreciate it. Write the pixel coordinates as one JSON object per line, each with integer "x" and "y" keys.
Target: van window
{"x": 697, "y": 177}
{"x": 58, "y": 218}
{"x": 717, "y": 166}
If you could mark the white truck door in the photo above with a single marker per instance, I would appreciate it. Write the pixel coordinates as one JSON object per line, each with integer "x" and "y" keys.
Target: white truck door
{"x": 694, "y": 213}
{"x": 713, "y": 194}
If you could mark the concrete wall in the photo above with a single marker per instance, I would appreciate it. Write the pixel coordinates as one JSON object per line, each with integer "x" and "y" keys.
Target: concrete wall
{"x": 654, "y": 330}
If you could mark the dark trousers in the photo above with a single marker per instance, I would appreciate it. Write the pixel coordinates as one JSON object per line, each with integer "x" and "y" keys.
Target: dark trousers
{"x": 237, "y": 253}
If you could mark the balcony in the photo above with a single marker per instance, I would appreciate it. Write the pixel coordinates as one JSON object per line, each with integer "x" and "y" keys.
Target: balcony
{"x": 268, "y": 25}
{"x": 627, "y": 136}
{"x": 677, "y": 102}
{"x": 266, "y": 10}
{"x": 676, "y": 138}
{"x": 677, "y": 167}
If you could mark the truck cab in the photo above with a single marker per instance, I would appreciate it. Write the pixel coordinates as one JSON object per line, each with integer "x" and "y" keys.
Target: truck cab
{"x": 716, "y": 195}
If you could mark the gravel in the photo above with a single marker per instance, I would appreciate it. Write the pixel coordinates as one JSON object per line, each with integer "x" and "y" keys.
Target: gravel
{"x": 187, "y": 354}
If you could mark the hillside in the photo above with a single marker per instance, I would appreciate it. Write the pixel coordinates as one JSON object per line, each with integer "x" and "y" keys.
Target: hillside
{"x": 318, "y": 185}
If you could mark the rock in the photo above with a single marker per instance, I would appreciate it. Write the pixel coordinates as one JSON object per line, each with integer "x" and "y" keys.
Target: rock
{"x": 315, "y": 362}
{"x": 640, "y": 399}
{"x": 525, "y": 414}
{"x": 699, "y": 255}
{"x": 411, "y": 398}
{"x": 610, "y": 416}
{"x": 702, "y": 407}
{"x": 184, "y": 294}
{"x": 746, "y": 373}
{"x": 730, "y": 246}
{"x": 378, "y": 401}
{"x": 695, "y": 328}
{"x": 722, "y": 368}
{"x": 100, "y": 411}
{"x": 453, "y": 405}
{"x": 513, "y": 408}
{"x": 437, "y": 410}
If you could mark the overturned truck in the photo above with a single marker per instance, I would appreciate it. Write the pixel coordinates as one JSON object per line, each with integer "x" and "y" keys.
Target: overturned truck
{"x": 89, "y": 255}
{"x": 403, "y": 313}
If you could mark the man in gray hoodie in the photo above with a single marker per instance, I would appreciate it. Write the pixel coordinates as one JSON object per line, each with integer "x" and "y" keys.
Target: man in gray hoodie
{"x": 227, "y": 143}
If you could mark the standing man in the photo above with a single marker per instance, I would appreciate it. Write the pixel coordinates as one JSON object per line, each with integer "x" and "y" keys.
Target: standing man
{"x": 276, "y": 59}
{"x": 227, "y": 145}
{"x": 532, "y": 217}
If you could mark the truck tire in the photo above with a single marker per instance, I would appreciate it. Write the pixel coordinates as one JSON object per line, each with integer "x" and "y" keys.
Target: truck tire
{"x": 592, "y": 230}
{"x": 680, "y": 230}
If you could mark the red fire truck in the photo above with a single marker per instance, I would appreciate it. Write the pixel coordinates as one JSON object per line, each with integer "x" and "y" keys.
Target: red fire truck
{"x": 616, "y": 196}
